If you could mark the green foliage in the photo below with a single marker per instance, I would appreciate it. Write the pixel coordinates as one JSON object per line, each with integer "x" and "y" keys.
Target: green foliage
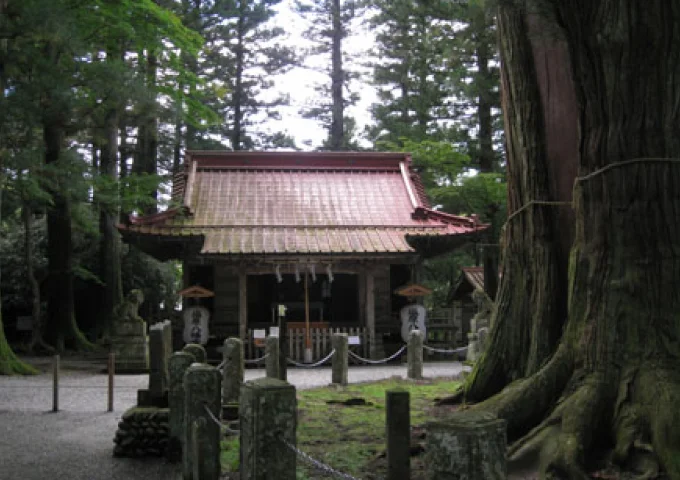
{"x": 329, "y": 24}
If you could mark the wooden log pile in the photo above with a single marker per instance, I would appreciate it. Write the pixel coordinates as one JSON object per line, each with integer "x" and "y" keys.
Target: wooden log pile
{"x": 142, "y": 432}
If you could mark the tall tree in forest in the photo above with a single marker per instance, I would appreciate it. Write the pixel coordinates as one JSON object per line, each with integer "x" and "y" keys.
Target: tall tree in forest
{"x": 411, "y": 73}
{"x": 474, "y": 80}
{"x": 53, "y": 75}
{"x": 587, "y": 341}
{"x": 255, "y": 56}
{"x": 329, "y": 26}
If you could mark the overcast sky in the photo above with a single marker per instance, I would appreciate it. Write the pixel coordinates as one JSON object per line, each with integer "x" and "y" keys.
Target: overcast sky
{"x": 299, "y": 82}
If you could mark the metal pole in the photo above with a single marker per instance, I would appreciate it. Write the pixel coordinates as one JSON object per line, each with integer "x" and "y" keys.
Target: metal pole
{"x": 55, "y": 383}
{"x": 112, "y": 374}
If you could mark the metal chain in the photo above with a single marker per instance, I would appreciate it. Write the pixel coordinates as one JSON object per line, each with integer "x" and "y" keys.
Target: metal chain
{"x": 441, "y": 350}
{"x": 316, "y": 463}
{"x": 256, "y": 360}
{"x": 312, "y": 365}
{"x": 375, "y": 362}
{"x": 218, "y": 422}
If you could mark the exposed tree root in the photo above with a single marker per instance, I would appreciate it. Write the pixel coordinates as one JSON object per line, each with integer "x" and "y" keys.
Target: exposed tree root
{"x": 643, "y": 425}
{"x": 525, "y": 402}
{"x": 9, "y": 362}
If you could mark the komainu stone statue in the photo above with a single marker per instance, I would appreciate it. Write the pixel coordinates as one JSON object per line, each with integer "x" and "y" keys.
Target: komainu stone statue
{"x": 128, "y": 310}
{"x": 129, "y": 343}
{"x": 479, "y": 325}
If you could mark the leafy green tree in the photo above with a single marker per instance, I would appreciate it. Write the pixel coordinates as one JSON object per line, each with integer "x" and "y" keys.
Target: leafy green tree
{"x": 329, "y": 26}
{"x": 53, "y": 76}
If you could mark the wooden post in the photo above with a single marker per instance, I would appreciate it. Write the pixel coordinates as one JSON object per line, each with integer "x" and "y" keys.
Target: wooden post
{"x": 55, "y": 383}
{"x": 308, "y": 341}
{"x": 243, "y": 305}
{"x": 370, "y": 311}
{"x": 112, "y": 373}
{"x": 397, "y": 416}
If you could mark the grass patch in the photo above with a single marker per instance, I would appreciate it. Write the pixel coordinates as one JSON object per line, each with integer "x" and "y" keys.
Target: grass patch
{"x": 350, "y": 437}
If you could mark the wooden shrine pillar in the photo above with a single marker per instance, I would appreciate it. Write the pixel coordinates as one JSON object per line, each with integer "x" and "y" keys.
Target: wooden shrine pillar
{"x": 370, "y": 310}
{"x": 242, "y": 304}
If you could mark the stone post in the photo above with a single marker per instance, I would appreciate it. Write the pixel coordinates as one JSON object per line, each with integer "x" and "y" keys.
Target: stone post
{"x": 232, "y": 371}
{"x": 415, "y": 355}
{"x": 283, "y": 348}
{"x": 158, "y": 363}
{"x": 201, "y": 391}
{"x": 271, "y": 350}
{"x": 268, "y": 418}
{"x": 339, "y": 369}
{"x": 473, "y": 348}
{"x": 398, "y": 429}
{"x": 167, "y": 341}
{"x": 468, "y": 445}
{"x": 197, "y": 351}
{"x": 177, "y": 366}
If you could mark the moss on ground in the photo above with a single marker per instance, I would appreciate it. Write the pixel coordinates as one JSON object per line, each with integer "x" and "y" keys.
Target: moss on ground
{"x": 350, "y": 438}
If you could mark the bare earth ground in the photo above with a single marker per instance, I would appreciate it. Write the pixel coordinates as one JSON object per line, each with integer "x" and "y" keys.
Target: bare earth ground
{"x": 76, "y": 443}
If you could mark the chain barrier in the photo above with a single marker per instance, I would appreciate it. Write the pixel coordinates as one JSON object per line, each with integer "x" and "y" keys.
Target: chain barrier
{"x": 442, "y": 350}
{"x": 312, "y": 365}
{"x": 327, "y": 469}
{"x": 223, "y": 426}
{"x": 376, "y": 362}
{"x": 256, "y": 360}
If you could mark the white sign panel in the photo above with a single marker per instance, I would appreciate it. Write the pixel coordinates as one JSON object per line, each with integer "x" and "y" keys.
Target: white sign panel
{"x": 196, "y": 325}
{"x": 412, "y": 318}
{"x": 354, "y": 340}
{"x": 259, "y": 333}
{"x": 274, "y": 331}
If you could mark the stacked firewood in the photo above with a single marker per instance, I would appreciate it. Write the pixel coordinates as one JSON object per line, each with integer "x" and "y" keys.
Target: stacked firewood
{"x": 142, "y": 432}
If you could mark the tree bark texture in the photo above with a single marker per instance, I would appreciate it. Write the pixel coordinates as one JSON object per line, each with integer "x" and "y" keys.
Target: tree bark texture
{"x": 9, "y": 363}
{"x": 110, "y": 249}
{"x": 337, "y": 81}
{"x": 61, "y": 325}
{"x": 237, "y": 130}
{"x": 530, "y": 308}
{"x": 613, "y": 379}
{"x": 147, "y": 132}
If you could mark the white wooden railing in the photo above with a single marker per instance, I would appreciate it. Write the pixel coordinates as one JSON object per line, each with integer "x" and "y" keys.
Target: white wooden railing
{"x": 320, "y": 340}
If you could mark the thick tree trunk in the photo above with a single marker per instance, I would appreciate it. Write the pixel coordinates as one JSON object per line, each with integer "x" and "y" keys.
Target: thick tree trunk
{"x": 62, "y": 325}
{"x": 109, "y": 249}
{"x": 147, "y": 132}
{"x": 9, "y": 363}
{"x": 526, "y": 326}
{"x": 337, "y": 133}
{"x": 36, "y": 301}
{"x": 614, "y": 378}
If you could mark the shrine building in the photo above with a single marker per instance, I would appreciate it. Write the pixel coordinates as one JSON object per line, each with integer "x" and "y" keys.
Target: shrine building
{"x": 330, "y": 236}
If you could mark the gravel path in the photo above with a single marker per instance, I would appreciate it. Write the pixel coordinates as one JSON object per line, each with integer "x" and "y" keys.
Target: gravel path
{"x": 76, "y": 443}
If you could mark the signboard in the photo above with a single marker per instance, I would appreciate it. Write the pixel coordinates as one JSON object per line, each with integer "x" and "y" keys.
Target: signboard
{"x": 273, "y": 331}
{"x": 259, "y": 333}
{"x": 25, "y": 324}
{"x": 282, "y": 310}
{"x": 354, "y": 340}
{"x": 412, "y": 318}
{"x": 196, "y": 325}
